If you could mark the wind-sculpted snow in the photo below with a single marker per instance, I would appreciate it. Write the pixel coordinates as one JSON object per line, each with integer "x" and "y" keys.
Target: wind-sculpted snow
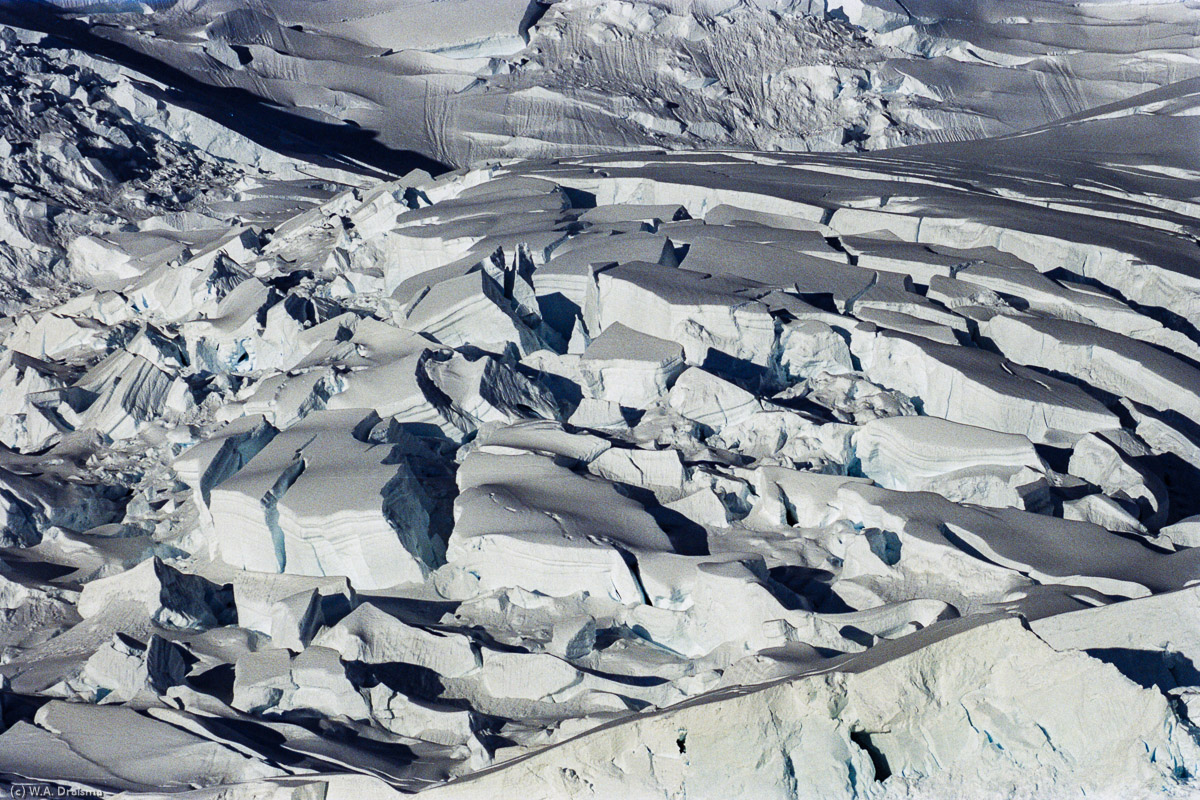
{"x": 641, "y": 474}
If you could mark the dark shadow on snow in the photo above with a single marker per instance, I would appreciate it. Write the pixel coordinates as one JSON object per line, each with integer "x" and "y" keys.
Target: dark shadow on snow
{"x": 237, "y": 109}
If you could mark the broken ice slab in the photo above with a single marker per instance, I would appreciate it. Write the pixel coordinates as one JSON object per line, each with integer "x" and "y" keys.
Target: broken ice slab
{"x": 285, "y": 398}
{"x": 960, "y": 462}
{"x": 1184, "y": 533}
{"x": 906, "y": 323}
{"x": 129, "y": 393}
{"x": 976, "y": 387}
{"x": 575, "y": 255}
{"x": 837, "y": 283}
{"x": 1033, "y": 291}
{"x": 629, "y": 367}
{"x": 808, "y": 347}
{"x": 396, "y": 390}
{"x": 316, "y": 501}
{"x": 98, "y": 261}
{"x": 725, "y": 214}
{"x": 223, "y": 453}
{"x": 372, "y": 636}
{"x": 685, "y": 601}
{"x": 906, "y": 544}
{"x": 735, "y": 226}
{"x": 1100, "y": 460}
{"x": 500, "y": 197}
{"x": 177, "y": 291}
{"x": 1098, "y": 357}
{"x": 701, "y": 313}
{"x": 273, "y": 681}
{"x": 31, "y": 503}
{"x": 545, "y": 437}
{"x": 1105, "y": 512}
{"x": 473, "y": 309}
{"x": 420, "y": 719}
{"x": 290, "y": 609}
{"x": 160, "y": 348}
{"x": 228, "y": 339}
{"x": 565, "y": 627}
{"x": 509, "y": 684}
{"x": 125, "y": 670}
{"x": 156, "y": 590}
{"x": 884, "y": 251}
{"x": 524, "y": 509}
{"x": 956, "y": 295}
{"x": 472, "y": 388}
{"x": 851, "y": 397}
{"x": 51, "y": 336}
{"x": 659, "y": 470}
{"x": 634, "y": 213}
{"x": 711, "y": 401}
{"x": 1044, "y": 548}
{"x": 390, "y": 379}
{"x": 561, "y": 285}
{"x": 1154, "y": 641}
{"x": 598, "y": 415}
{"x": 423, "y": 240}
{"x": 897, "y": 294}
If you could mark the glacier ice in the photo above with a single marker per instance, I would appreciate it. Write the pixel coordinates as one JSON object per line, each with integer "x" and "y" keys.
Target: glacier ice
{"x": 679, "y": 434}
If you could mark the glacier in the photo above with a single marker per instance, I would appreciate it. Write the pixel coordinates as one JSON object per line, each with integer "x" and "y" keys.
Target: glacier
{"x": 535, "y": 400}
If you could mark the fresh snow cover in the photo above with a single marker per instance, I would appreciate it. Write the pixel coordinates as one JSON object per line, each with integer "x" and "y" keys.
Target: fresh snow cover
{"x": 600, "y": 398}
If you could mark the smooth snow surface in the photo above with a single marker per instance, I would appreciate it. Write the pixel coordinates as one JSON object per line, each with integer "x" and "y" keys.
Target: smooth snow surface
{"x": 665, "y": 464}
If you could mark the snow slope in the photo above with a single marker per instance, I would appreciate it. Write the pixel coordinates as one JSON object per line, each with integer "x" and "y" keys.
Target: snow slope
{"x": 579, "y": 76}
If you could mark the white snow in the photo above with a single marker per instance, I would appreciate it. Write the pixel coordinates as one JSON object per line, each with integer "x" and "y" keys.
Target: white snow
{"x": 691, "y": 439}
